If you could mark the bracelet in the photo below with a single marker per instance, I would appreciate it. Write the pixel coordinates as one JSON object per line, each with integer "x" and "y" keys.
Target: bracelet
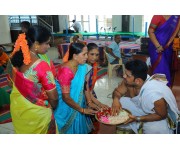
{"x": 138, "y": 119}
{"x": 89, "y": 102}
{"x": 158, "y": 46}
{"x": 83, "y": 110}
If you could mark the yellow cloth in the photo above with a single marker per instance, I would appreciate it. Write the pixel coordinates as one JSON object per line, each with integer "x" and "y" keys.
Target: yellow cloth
{"x": 27, "y": 117}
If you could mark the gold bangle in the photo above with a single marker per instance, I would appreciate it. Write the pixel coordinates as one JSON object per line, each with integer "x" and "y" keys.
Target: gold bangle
{"x": 158, "y": 46}
{"x": 82, "y": 110}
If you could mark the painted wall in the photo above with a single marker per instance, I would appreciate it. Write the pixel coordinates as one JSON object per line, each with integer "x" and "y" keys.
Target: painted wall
{"x": 5, "y": 36}
{"x": 117, "y": 22}
{"x": 138, "y": 21}
{"x": 62, "y": 22}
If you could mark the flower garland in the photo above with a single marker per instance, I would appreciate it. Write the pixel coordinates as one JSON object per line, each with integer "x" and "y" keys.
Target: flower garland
{"x": 21, "y": 42}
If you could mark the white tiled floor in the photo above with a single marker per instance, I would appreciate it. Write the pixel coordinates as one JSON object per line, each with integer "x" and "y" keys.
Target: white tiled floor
{"x": 103, "y": 88}
{"x": 6, "y": 128}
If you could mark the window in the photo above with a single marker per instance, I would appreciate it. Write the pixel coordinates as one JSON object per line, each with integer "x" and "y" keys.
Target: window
{"x": 88, "y": 22}
{"x": 16, "y": 20}
{"x": 105, "y": 23}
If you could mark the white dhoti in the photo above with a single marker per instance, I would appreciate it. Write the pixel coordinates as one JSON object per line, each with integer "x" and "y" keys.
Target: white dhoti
{"x": 143, "y": 104}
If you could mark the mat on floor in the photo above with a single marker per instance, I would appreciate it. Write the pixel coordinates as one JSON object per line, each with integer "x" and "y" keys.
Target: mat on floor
{"x": 5, "y": 115}
{"x": 101, "y": 72}
{"x": 4, "y": 82}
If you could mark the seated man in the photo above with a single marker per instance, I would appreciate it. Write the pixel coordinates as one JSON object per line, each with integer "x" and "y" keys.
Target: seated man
{"x": 77, "y": 26}
{"x": 115, "y": 53}
{"x": 114, "y": 50}
{"x": 3, "y": 60}
{"x": 149, "y": 100}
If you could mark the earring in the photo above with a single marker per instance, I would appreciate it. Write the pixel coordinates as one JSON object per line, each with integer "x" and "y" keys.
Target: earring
{"x": 36, "y": 48}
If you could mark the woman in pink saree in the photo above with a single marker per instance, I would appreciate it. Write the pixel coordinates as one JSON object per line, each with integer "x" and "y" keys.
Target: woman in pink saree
{"x": 34, "y": 94}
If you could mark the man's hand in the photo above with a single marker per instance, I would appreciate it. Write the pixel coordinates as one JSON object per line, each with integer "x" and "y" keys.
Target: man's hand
{"x": 116, "y": 107}
{"x": 131, "y": 119}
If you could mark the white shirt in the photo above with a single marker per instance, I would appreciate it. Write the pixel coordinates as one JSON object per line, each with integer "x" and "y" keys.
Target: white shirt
{"x": 77, "y": 26}
{"x": 116, "y": 50}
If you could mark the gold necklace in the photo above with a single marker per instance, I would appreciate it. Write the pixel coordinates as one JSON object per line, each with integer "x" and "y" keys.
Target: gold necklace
{"x": 73, "y": 66}
{"x": 34, "y": 53}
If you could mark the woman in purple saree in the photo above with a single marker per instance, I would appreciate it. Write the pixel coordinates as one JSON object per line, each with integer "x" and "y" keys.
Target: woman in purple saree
{"x": 162, "y": 30}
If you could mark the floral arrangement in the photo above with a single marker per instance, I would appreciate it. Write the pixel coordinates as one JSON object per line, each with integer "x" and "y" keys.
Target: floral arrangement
{"x": 104, "y": 119}
{"x": 104, "y": 116}
{"x": 21, "y": 42}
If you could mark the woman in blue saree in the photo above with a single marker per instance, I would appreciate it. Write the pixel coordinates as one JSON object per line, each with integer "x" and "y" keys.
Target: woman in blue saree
{"x": 162, "y": 31}
{"x": 71, "y": 115}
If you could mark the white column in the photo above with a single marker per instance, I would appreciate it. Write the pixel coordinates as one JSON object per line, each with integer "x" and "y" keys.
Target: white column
{"x": 62, "y": 20}
{"x": 137, "y": 23}
{"x": 117, "y": 22}
{"x": 5, "y": 36}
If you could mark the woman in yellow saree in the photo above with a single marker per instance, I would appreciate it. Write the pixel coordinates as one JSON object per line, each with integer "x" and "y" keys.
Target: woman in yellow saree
{"x": 34, "y": 94}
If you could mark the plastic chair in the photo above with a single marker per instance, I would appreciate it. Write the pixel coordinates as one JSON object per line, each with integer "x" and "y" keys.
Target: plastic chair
{"x": 112, "y": 66}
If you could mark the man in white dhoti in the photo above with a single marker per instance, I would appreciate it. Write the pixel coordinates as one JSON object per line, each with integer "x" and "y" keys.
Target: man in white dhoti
{"x": 148, "y": 99}
{"x": 153, "y": 103}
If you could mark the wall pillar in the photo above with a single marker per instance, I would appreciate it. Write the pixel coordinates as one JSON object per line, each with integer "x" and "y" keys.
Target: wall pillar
{"x": 5, "y": 36}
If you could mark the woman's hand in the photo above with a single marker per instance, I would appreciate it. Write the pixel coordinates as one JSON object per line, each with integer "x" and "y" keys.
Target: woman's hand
{"x": 94, "y": 106}
{"x": 98, "y": 104}
{"x": 103, "y": 106}
{"x": 159, "y": 49}
{"x": 89, "y": 111}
